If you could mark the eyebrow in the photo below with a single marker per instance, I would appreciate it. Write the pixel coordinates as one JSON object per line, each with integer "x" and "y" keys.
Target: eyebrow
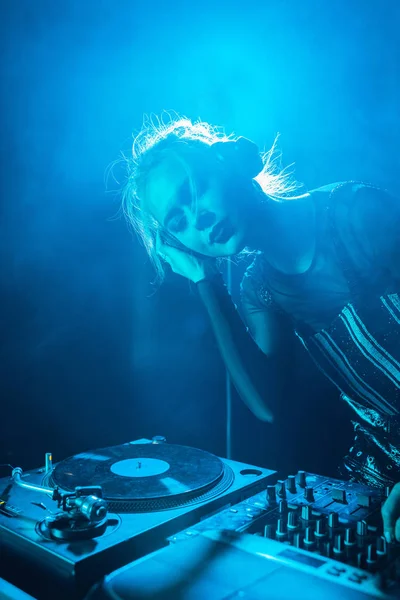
{"x": 182, "y": 195}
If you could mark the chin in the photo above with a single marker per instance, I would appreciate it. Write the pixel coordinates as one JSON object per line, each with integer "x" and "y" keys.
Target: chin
{"x": 231, "y": 247}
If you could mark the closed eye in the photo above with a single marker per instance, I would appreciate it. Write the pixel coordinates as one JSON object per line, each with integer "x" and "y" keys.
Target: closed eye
{"x": 177, "y": 223}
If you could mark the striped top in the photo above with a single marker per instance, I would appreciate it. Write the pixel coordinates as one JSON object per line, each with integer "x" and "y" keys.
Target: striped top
{"x": 346, "y": 311}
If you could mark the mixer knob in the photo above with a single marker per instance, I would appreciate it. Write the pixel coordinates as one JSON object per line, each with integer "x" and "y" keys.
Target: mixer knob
{"x": 301, "y": 478}
{"x": 269, "y": 531}
{"x": 309, "y": 539}
{"x": 281, "y": 489}
{"x": 309, "y": 494}
{"x": 271, "y": 494}
{"x": 283, "y": 507}
{"x": 297, "y": 540}
{"x": 327, "y": 549}
{"x": 333, "y": 520}
{"x": 350, "y": 537}
{"x": 281, "y": 529}
{"x": 361, "y": 560}
{"x": 306, "y": 513}
{"x": 371, "y": 556}
{"x": 362, "y": 528}
{"x": 320, "y": 528}
{"x": 292, "y": 520}
{"x": 291, "y": 484}
{"x": 381, "y": 546}
{"x": 338, "y": 546}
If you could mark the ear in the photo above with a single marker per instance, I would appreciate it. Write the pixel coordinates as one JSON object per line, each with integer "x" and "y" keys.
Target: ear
{"x": 242, "y": 155}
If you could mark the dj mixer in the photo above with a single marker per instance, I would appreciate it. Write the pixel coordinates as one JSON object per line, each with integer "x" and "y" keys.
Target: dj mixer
{"x": 147, "y": 519}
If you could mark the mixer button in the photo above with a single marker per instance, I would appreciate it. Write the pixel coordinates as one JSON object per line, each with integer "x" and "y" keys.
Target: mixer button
{"x": 355, "y": 579}
{"x": 340, "y": 569}
{"x": 333, "y": 572}
{"x": 360, "y": 576}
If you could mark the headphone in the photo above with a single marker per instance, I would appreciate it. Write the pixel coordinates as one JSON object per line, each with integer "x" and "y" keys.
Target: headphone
{"x": 241, "y": 155}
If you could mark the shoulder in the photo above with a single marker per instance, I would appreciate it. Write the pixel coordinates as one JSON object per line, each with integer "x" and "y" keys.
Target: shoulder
{"x": 356, "y": 205}
{"x": 365, "y": 218}
{"x": 357, "y": 195}
{"x": 362, "y": 206}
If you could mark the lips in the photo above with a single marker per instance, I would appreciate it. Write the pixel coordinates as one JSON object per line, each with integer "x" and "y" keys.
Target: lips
{"x": 221, "y": 232}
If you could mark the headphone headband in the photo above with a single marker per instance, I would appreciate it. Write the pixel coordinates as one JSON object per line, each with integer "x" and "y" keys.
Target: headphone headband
{"x": 241, "y": 154}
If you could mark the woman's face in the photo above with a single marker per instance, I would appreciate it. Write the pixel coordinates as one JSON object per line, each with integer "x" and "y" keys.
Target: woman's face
{"x": 203, "y": 206}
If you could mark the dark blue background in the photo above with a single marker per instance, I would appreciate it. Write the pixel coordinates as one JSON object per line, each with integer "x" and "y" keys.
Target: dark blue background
{"x": 91, "y": 353}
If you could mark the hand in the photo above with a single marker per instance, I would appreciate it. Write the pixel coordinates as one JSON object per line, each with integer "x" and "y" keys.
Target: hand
{"x": 184, "y": 263}
{"x": 391, "y": 515}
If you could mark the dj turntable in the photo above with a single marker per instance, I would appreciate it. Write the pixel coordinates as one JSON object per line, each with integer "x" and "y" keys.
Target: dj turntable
{"x": 65, "y": 527}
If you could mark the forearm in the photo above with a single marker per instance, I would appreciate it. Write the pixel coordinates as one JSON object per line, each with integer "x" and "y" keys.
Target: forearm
{"x": 253, "y": 374}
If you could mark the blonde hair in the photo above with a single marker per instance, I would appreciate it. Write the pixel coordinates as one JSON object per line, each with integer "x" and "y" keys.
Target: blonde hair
{"x": 157, "y": 138}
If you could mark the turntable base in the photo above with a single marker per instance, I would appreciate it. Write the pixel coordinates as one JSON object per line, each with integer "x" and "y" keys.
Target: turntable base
{"x": 163, "y": 507}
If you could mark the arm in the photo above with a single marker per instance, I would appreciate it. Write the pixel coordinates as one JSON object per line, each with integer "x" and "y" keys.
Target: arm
{"x": 254, "y": 366}
{"x": 255, "y": 362}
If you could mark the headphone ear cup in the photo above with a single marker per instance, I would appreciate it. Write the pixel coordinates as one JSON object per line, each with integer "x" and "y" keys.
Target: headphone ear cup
{"x": 242, "y": 155}
{"x": 249, "y": 156}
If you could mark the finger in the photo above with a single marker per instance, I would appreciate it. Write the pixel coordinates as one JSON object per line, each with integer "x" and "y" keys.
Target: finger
{"x": 391, "y": 512}
{"x": 397, "y": 530}
{"x": 161, "y": 248}
{"x": 159, "y": 242}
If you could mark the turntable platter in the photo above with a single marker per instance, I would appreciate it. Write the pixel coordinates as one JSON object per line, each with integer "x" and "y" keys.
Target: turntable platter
{"x": 152, "y": 475}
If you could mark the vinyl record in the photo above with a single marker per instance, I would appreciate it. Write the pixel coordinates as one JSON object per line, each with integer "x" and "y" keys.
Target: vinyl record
{"x": 145, "y": 477}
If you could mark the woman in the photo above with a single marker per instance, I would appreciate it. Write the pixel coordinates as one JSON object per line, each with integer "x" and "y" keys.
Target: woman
{"x": 326, "y": 268}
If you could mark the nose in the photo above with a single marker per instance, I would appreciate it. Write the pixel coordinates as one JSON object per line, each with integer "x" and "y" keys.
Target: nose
{"x": 205, "y": 219}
